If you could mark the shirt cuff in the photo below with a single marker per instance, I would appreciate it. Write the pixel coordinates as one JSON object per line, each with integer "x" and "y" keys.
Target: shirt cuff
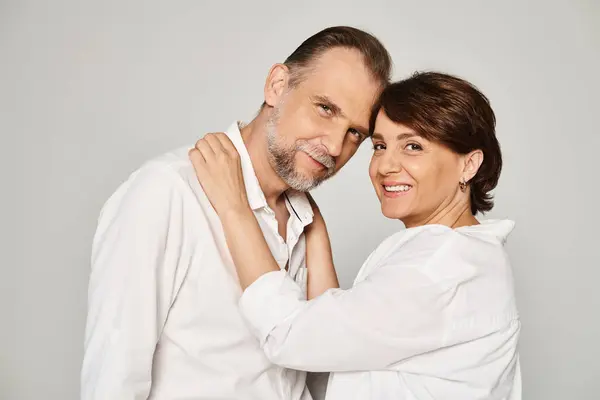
{"x": 269, "y": 301}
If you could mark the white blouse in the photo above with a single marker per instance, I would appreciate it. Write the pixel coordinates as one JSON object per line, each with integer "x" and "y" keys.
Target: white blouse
{"x": 431, "y": 315}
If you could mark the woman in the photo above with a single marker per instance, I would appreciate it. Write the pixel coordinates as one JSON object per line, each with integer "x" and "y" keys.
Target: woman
{"x": 432, "y": 312}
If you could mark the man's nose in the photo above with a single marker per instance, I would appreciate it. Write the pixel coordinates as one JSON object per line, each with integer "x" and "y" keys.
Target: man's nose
{"x": 334, "y": 141}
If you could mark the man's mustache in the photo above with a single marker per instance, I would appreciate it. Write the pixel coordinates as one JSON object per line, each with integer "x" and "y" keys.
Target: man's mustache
{"x": 318, "y": 154}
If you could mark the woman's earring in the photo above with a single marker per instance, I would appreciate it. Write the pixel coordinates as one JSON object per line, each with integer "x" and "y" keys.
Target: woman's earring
{"x": 462, "y": 185}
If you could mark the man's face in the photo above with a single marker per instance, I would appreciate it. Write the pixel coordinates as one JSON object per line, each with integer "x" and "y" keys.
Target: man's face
{"x": 318, "y": 125}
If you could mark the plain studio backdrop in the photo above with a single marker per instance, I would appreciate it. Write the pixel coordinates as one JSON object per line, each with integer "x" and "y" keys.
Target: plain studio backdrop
{"x": 90, "y": 90}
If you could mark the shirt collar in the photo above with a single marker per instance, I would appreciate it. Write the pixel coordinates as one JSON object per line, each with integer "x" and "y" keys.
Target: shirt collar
{"x": 256, "y": 197}
{"x": 300, "y": 206}
{"x": 298, "y": 201}
{"x": 498, "y": 228}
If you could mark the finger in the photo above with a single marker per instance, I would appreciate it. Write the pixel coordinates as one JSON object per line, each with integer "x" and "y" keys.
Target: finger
{"x": 206, "y": 150}
{"x": 226, "y": 143}
{"x": 215, "y": 144}
{"x": 197, "y": 159}
{"x": 200, "y": 167}
{"x": 202, "y": 141}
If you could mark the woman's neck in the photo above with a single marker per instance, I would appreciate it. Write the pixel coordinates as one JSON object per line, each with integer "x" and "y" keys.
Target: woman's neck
{"x": 452, "y": 215}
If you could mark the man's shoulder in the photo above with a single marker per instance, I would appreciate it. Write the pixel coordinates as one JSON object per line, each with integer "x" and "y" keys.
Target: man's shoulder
{"x": 174, "y": 163}
{"x": 168, "y": 170}
{"x": 159, "y": 179}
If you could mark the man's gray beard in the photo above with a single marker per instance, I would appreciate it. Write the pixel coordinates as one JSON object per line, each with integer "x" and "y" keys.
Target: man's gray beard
{"x": 282, "y": 158}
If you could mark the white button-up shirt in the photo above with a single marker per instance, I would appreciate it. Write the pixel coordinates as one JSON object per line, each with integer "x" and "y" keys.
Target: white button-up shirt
{"x": 163, "y": 316}
{"x": 431, "y": 315}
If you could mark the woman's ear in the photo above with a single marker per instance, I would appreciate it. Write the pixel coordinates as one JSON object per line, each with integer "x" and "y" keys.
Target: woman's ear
{"x": 276, "y": 84}
{"x": 472, "y": 163}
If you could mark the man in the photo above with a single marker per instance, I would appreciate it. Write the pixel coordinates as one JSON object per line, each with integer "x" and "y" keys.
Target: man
{"x": 163, "y": 319}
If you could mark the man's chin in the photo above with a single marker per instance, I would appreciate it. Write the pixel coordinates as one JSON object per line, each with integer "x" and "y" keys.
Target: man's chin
{"x": 302, "y": 183}
{"x": 304, "y": 180}
{"x": 303, "y": 186}
{"x": 310, "y": 184}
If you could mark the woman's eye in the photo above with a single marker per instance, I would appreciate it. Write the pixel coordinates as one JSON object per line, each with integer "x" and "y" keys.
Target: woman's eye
{"x": 378, "y": 146}
{"x": 413, "y": 147}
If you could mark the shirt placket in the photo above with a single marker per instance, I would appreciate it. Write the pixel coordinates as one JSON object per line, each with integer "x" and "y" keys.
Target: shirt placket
{"x": 278, "y": 246}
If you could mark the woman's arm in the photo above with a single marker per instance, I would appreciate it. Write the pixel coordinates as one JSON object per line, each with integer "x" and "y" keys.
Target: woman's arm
{"x": 376, "y": 325}
{"x": 219, "y": 171}
{"x": 249, "y": 250}
{"x": 319, "y": 259}
{"x": 253, "y": 258}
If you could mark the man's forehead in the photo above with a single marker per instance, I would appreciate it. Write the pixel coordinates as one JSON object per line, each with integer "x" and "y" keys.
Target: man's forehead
{"x": 339, "y": 55}
{"x": 345, "y": 63}
{"x": 345, "y": 88}
{"x": 336, "y": 66}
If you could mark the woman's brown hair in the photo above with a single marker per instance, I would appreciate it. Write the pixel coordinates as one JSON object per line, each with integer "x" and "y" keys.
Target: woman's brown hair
{"x": 451, "y": 111}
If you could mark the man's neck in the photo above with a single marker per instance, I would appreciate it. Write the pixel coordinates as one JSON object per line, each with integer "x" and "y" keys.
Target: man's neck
{"x": 254, "y": 136}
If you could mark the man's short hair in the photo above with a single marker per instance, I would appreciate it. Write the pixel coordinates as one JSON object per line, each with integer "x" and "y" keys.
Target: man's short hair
{"x": 375, "y": 56}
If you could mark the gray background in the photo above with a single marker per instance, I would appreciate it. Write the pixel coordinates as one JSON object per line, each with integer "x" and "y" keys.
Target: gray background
{"x": 90, "y": 90}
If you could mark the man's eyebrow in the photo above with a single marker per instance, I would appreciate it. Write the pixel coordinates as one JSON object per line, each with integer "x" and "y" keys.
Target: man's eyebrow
{"x": 329, "y": 103}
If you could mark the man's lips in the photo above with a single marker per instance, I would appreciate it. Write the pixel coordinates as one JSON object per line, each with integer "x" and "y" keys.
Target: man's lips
{"x": 318, "y": 164}
{"x": 315, "y": 162}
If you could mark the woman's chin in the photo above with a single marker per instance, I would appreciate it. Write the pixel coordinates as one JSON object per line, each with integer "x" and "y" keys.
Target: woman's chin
{"x": 393, "y": 212}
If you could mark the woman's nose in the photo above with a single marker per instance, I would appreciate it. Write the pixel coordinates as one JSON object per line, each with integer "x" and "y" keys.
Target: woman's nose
{"x": 390, "y": 164}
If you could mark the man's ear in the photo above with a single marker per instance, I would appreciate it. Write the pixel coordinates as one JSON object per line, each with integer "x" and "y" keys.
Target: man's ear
{"x": 276, "y": 84}
{"x": 472, "y": 162}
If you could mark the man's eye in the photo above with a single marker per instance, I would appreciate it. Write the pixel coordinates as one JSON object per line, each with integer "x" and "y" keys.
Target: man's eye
{"x": 325, "y": 108}
{"x": 355, "y": 133}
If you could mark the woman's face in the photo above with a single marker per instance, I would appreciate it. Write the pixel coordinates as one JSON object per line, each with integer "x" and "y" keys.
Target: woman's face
{"x": 417, "y": 181}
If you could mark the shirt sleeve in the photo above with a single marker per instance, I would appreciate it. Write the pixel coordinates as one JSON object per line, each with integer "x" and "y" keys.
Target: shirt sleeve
{"x": 134, "y": 279}
{"x": 395, "y": 313}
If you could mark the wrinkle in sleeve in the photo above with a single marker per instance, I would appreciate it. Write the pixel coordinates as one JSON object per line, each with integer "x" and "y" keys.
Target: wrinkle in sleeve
{"x": 394, "y": 314}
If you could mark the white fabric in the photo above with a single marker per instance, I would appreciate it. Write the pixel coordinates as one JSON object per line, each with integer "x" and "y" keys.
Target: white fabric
{"x": 163, "y": 316}
{"x": 431, "y": 315}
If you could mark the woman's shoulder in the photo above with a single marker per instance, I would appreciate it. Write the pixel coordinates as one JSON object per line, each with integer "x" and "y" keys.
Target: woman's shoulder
{"x": 428, "y": 242}
{"x": 491, "y": 230}
{"x": 410, "y": 245}
{"x": 441, "y": 259}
